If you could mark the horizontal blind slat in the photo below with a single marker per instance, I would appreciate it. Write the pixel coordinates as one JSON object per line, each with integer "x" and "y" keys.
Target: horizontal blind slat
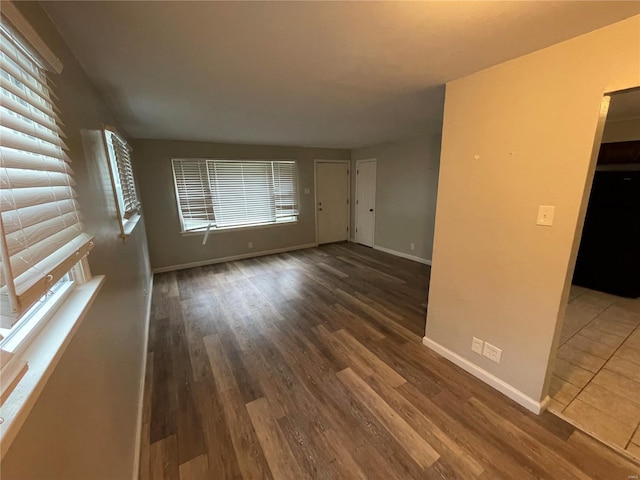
{"x": 14, "y": 220}
{"x": 12, "y": 120}
{"x": 21, "y": 240}
{"x": 43, "y": 236}
{"x": 37, "y": 253}
{"x": 24, "y": 197}
{"x": 17, "y": 105}
{"x": 12, "y": 158}
{"x": 11, "y": 138}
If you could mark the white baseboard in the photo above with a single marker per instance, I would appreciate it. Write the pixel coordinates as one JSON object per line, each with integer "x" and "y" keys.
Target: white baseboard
{"x": 138, "y": 445}
{"x": 202, "y": 263}
{"x": 403, "y": 255}
{"x": 503, "y": 387}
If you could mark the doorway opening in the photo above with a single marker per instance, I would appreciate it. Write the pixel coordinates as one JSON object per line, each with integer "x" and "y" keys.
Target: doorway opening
{"x": 366, "y": 202}
{"x": 595, "y": 383}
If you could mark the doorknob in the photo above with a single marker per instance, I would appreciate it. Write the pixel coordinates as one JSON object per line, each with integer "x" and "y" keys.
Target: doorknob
{"x": 371, "y": 209}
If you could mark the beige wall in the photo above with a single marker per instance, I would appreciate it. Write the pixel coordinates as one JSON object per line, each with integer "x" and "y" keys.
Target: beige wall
{"x": 622, "y": 131}
{"x": 517, "y": 136}
{"x": 406, "y": 189}
{"x": 168, "y": 247}
{"x": 84, "y": 423}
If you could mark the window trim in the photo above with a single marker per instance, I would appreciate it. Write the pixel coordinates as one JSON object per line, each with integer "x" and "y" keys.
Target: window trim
{"x": 206, "y": 230}
{"x": 42, "y": 352}
{"x": 255, "y": 226}
{"x": 38, "y": 338}
{"x": 127, "y": 225}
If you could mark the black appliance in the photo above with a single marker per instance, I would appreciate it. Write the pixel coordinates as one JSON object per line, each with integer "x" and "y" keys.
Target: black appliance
{"x": 609, "y": 255}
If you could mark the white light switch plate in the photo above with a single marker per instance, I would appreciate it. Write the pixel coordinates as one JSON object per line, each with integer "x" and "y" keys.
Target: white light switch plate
{"x": 545, "y": 215}
{"x": 476, "y": 345}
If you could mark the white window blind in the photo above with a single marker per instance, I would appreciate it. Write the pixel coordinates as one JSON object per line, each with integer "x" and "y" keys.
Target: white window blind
{"x": 124, "y": 184}
{"x": 40, "y": 226}
{"x": 234, "y": 193}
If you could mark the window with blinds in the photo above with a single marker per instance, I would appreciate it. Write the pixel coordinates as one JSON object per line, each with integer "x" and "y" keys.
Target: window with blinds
{"x": 41, "y": 231}
{"x": 122, "y": 180}
{"x": 235, "y": 193}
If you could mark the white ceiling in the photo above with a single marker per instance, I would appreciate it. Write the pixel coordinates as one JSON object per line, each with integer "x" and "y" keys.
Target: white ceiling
{"x": 302, "y": 73}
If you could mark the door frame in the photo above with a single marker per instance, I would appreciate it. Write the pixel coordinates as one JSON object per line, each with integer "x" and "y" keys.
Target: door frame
{"x": 355, "y": 208}
{"x": 315, "y": 193}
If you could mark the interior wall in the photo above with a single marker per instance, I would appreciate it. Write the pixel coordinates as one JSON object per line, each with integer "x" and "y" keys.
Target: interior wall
{"x": 516, "y": 136}
{"x": 168, "y": 247}
{"x": 622, "y": 131}
{"x": 84, "y": 422}
{"x": 406, "y": 191}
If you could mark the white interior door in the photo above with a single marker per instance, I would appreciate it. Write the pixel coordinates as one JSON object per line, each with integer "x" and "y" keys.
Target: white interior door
{"x": 332, "y": 201}
{"x": 365, "y": 201}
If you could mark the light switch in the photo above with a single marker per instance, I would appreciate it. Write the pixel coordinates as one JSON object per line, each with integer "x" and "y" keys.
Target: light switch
{"x": 545, "y": 215}
{"x": 307, "y": 191}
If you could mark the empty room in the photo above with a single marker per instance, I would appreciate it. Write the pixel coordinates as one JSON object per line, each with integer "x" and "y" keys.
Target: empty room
{"x": 319, "y": 240}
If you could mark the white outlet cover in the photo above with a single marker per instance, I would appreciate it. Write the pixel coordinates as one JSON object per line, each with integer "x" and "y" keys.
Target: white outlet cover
{"x": 545, "y": 215}
{"x": 492, "y": 352}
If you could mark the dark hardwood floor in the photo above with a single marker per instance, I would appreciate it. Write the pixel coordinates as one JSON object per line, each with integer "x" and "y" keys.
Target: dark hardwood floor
{"x": 310, "y": 365}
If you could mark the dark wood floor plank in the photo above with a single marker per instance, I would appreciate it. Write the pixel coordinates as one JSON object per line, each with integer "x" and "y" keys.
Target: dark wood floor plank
{"x": 309, "y": 364}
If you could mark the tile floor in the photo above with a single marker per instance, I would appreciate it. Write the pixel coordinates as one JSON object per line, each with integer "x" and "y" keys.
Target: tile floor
{"x": 596, "y": 381}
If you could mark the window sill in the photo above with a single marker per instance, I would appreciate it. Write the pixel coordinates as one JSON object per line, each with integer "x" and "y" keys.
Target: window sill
{"x": 213, "y": 231}
{"x": 42, "y": 355}
{"x": 129, "y": 225}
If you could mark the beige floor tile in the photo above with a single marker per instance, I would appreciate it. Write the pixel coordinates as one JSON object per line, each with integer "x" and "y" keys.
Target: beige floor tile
{"x": 634, "y": 340}
{"x": 629, "y": 353}
{"x": 596, "y": 348}
{"x": 562, "y": 391}
{"x": 634, "y": 450}
{"x": 623, "y": 313}
{"x": 578, "y": 314}
{"x": 576, "y": 291}
{"x": 619, "y": 384}
{"x": 602, "y": 337}
{"x": 636, "y": 437}
{"x": 613, "y": 326}
{"x": 571, "y": 373}
{"x": 555, "y": 406}
{"x": 630, "y": 304}
{"x": 597, "y": 299}
{"x": 580, "y": 358}
{"x": 619, "y": 407}
{"x": 624, "y": 367}
{"x": 598, "y": 423}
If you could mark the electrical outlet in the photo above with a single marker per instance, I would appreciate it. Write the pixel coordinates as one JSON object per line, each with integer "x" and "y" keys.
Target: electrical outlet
{"x": 250, "y": 245}
{"x": 476, "y": 345}
{"x": 492, "y": 352}
{"x": 545, "y": 215}
{"x": 413, "y": 247}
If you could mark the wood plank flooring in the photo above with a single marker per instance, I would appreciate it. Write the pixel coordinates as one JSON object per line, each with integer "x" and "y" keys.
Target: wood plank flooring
{"x": 309, "y": 365}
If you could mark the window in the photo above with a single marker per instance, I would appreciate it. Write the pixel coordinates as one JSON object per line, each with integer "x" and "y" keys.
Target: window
{"x": 42, "y": 238}
{"x": 232, "y": 193}
{"x": 124, "y": 185}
